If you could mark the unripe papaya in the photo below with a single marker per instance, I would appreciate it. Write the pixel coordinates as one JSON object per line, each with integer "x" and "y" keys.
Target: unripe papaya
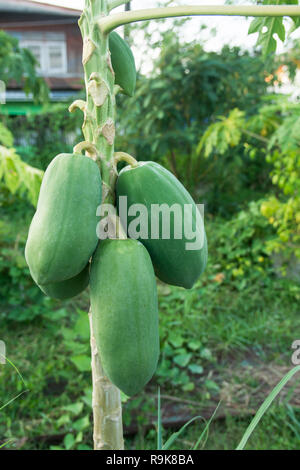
{"x": 123, "y": 63}
{"x": 62, "y": 235}
{"x": 125, "y": 313}
{"x": 174, "y": 261}
{"x": 68, "y": 288}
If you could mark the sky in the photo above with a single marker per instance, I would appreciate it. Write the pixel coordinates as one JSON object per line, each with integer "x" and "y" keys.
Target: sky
{"x": 230, "y": 30}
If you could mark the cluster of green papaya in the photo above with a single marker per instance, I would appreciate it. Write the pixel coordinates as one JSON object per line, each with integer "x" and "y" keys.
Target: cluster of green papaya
{"x": 150, "y": 184}
{"x": 62, "y": 235}
{"x": 64, "y": 254}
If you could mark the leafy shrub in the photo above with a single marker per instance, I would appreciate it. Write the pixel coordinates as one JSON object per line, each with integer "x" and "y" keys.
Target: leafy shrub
{"x": 240, "y": 245}
{"x": 40, "y": 137}
{"x": 21, "y": 299}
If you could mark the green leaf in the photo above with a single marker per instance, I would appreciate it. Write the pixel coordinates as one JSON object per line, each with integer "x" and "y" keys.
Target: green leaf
{"x": 82, "y": 362}
{"x": 182, "y": 360}
{"x": 255, "y": 25}
{"x": 124, "y": 397}
{"x": 205, "y": 430}
{"x": 266, "y": 28}
{"x": 64, "y": 419}
{"x": 159, "y": 423}
{"x": 296, "y": 24}
{"x": 223, "y": 134}
{"x": 175, "y": 435}
{"x": 6, "y": 137}
{"x": 194, "y": 345}
{"x": 211, "y": 385}
{"x": 82, "y": 326}
{"x": 176, "y": 340}
{"x": 88, "y": 396}
{"x": 69, "y": 441}
{"x": 6, "y": 443}
{"x": 74, "y": 408}
{"x": 18, "y": 175}
{"x": 12, "y": 399}
{"x": 79, "y": 437}
{"x": 81, "y": 423}
{"x": 188, "y": 387}
{"x": 206, "y": 354}
{"x": 264, "y": 407}
{"x": 196, "y": 369}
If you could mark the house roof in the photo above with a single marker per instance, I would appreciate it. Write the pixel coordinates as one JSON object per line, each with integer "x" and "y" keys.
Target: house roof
{"x": 29, "y": 6}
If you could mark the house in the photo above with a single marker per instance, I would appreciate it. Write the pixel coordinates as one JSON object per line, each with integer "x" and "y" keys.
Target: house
{"x": 53, "y": 36}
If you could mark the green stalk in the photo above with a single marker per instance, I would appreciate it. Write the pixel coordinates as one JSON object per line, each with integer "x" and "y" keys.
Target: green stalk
{"x": 118, "y": 19}
{"x": 99, "y": 113}
{"x": 99, "y": 132}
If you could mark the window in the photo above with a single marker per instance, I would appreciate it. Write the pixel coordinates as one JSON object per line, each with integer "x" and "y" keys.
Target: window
{"x": 51, "y": 55}
{"x": 56, "y": 61}
{"x": 36, "y": 50}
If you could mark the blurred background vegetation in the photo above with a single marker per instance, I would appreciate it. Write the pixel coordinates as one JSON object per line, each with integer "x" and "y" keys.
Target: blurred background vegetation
{"x": 219, "y": 122}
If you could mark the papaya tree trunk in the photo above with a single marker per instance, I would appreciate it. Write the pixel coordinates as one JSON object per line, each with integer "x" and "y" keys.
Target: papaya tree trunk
{"x": 99, "y": 129}
{"x": 107, "y": 409}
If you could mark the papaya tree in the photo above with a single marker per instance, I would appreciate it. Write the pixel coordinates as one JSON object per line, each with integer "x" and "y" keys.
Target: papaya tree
{"x": 63, "y": 251}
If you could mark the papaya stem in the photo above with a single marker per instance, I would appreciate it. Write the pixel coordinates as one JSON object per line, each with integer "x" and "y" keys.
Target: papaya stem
{"x": 125, "y": 157}
{"x": 118, "y": 231}
{"x": 80, "y": 104}
{"x": 107, "y": 410}
{"x": 107, "y": 24}
{"x": 99, "y": 131}
{"x": 88, "y": 147}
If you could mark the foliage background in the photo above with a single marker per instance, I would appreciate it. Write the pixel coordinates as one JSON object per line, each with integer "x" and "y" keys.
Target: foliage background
{"x": 215, "y": 120}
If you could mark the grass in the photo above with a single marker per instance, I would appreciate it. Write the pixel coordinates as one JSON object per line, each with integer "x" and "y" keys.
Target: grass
{"x": 276, "y": 431}
{"x": 218, "y": 327}
{"x": 235, "y": 320}
{"x": 233, "y": 334}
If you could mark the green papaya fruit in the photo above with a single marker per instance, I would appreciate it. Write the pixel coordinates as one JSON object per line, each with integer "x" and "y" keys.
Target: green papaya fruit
{"x": 150, "y": 184}
{"x": 125, "y": 313}
{"x": 62, "y": 235}
{"x": 123, "y": 63}
{"x": 68, "y": 288}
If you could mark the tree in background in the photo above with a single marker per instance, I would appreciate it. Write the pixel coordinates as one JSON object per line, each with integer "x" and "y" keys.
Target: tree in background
{"x": 186, "y": 92}
{"x": 276, "y": 129}
{"x": 18, "y": 65}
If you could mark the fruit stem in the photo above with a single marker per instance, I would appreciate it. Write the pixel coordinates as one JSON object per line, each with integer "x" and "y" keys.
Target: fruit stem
{"x": 125, "y": 157}
{"x": 107, "y": 24}
{"x": 88, "y": 147}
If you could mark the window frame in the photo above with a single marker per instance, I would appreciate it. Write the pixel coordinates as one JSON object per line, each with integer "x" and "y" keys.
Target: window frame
{"x": 45, "y": 46}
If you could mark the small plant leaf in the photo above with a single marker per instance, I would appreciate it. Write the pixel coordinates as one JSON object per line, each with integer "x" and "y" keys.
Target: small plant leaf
{"x": 175, "y": 435}
{"x": 159, "y": 423}
{"x": 264, "y": 407}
